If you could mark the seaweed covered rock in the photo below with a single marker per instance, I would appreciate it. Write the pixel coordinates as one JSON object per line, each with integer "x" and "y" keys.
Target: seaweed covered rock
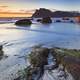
{"x": 38, "y": 57}
{"x": 46, "y": 20}
{"x": 70, "y": 59}
{"x": 1, "y": 51}
{"x": 23, "y": 22}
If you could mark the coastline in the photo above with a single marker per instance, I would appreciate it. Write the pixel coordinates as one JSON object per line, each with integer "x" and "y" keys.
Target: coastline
{"x": 67, "y": 64}
{"x": 11, "y": 69}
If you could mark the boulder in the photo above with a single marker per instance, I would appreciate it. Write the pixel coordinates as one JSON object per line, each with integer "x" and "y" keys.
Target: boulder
{"x": 46, "y": 20}
{"x": 38, "y": 57}
{"x": 23, "y": 22}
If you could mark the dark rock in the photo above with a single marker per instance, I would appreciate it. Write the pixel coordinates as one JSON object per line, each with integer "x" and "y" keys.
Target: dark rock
{"x": 23, "y": 22}
{"x": 1, "y": 51}
{"x": 1, "y": 47}
{"x": 38, "y": 20}
{"x": 71, "y": 21}
{"x": 42, "y": 12}
{"x": 38, "y": 56}
{"x": 58, "y": 20}
{"x": 46, "y": 20}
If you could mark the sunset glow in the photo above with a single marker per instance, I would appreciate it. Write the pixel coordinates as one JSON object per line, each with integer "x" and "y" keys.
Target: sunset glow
{"x": 15, "y": 14}
{"x": 20, "y": 8}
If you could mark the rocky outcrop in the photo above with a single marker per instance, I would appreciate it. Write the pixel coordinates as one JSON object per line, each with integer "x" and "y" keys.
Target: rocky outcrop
{"x": 46, "y": 20}
{"x": 42, "y": 12}
{"x": 40, "y": 57}
{"x": 70, "y": 59}
{"x": 66, "y": 65}
{"x": 23, "y": 22}
{"x": 41, "y": 60}
{"x": 73, "y": 66}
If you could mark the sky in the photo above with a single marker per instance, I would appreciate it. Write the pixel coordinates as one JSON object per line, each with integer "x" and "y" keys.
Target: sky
{"x": 27, "y": 7}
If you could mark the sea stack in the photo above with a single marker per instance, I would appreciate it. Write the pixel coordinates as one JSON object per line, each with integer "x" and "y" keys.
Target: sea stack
{"x": 23, "y": 22}
{"x": 46, "y": 20}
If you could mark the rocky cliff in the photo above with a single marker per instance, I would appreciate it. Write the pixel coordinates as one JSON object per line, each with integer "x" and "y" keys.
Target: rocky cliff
{"x": 42, "y": 12}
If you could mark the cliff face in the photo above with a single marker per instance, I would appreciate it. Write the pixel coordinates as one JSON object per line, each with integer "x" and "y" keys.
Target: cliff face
{"x": 42, "y": 12}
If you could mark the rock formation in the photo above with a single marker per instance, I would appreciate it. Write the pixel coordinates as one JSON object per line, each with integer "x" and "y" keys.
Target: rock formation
{"x": 42, "y": 12}
{"x": 23, "y": 22}
{"x": 46, "y": 20}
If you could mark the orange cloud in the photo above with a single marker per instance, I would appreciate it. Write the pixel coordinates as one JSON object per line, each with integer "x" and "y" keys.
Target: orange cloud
{"x": 3, "y": 6}
{"x": 14, "y": 14}
{"x": 26, "y": 11}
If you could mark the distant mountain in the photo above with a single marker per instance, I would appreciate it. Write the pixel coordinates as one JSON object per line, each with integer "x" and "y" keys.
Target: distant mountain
{"x": 42, "y": 12}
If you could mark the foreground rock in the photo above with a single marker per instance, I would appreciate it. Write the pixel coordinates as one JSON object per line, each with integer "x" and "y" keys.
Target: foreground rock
{"x": 23, "y": 22}
{"x": 70, "y": 59}
{"x": 52, "y": 64}
{"x": 1, "y": 51}
{"x": 45, "y": 67}
{"x": 73, "y": 66}
{"x": 38, "y": 58}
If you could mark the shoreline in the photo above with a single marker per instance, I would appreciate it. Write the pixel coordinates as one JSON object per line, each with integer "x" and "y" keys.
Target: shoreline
{"x": 61, "y": 56}
{"x": 58, "y": 58}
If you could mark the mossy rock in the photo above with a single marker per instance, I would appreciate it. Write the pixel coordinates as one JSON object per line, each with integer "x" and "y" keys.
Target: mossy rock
{"x": 23, "y": 22}
{"x": 38, "y": 57}
{"x": 46, "y": 20}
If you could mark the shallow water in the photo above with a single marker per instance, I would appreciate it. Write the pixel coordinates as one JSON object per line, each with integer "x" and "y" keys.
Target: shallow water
{"x": 18, "y": 41}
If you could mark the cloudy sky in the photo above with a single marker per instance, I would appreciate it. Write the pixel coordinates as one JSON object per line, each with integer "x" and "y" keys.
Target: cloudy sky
{"x": 28, "y": 6}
